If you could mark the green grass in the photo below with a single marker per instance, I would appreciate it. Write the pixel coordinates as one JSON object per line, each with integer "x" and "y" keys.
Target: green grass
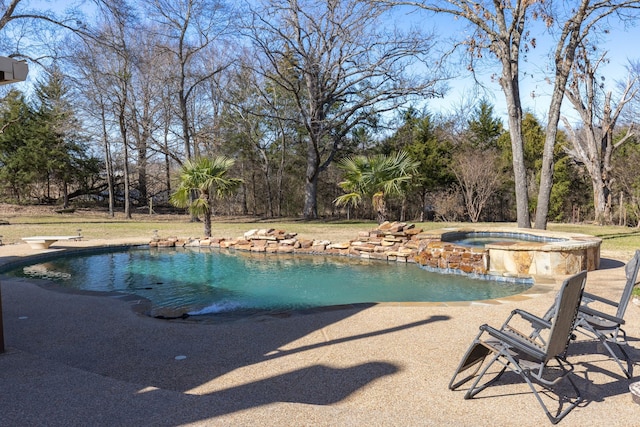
{"x": 101, "y": 226}
{"x": 97, "y": 225}
{"x": 614, "y": 238}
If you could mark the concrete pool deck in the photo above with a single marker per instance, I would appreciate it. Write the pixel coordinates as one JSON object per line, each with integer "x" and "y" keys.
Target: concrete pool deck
{"x": 77, "y": 359}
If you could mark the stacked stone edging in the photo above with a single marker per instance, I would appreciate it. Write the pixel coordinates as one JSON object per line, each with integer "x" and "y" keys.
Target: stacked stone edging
{"x": 390, "y": 241}
{"x": 448, "y": 256}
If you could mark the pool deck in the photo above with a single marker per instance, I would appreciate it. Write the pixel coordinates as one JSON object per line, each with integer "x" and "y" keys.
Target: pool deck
{"x": 79, "y": 360}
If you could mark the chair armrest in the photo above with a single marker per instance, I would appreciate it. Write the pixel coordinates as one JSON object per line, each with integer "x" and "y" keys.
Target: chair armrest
{"x": 595, "y": 313}
{"x": 588, "y": 298}
{"x": 536, "y": 322}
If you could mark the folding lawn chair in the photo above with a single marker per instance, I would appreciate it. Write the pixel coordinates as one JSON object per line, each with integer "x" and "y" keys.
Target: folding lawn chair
{"x": 523, "y": 353}
{"x": 607, "y": 327}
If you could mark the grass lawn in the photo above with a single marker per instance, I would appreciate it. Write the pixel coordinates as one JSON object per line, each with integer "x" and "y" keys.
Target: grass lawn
{"x": 96, "y": 225}
{"x": 16, "y": 223}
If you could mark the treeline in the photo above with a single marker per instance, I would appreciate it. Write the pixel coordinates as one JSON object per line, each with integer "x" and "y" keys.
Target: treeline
{"x": 290, "y": 91}
{"x": 464, "y": 171}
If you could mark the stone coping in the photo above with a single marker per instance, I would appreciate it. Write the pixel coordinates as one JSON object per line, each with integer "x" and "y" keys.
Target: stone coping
{"x": 561, "y": 240}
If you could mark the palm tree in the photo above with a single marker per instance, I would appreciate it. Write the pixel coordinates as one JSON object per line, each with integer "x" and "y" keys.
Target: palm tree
{"x": 208, "y": 177}
{"x": 375, "y": 177}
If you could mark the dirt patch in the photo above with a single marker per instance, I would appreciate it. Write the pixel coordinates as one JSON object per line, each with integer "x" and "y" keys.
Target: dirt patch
{"x": 30, "y": 210}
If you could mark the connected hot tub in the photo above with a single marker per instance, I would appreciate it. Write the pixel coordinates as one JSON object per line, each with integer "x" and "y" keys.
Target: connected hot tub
{"x": 512, "y": 251}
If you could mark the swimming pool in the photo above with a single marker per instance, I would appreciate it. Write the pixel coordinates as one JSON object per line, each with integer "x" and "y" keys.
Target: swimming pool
{"x": 204, "y": 282}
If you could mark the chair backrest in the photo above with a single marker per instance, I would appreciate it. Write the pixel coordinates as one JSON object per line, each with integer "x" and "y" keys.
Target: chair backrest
{"x": 566, "y": 310}
{"x": 631, "y": 271}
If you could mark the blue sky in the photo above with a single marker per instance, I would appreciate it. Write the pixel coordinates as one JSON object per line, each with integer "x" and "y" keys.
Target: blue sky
{"x": 619, "y": 44}
{"x": 535, "y": 91}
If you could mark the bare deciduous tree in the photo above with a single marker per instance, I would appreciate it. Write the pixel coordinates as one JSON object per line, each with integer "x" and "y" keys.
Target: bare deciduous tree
{"x": 448, "y": 205}
{"x": 188, "y": 28}
{"x": 146, "y": 104}
{"x": 478, "y": 178}
{"x": 30, "y": 29}
{"x": 572, "y": 24}
{"x": 499, "y": 27}
{"x": 593, "y": 144}
{"x": 104, "y": 65}
{"x": 335, "y": 58}
{"x": 503, "y": 28}
{"x": 86, "y": 69}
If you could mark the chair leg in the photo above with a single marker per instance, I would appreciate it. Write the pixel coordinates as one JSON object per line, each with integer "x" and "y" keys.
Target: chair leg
{"x": 566, "y": 375}
{"x": 526, "y": 375}
{"x": 605, "y": 342}
{"x": 612, "y": 339}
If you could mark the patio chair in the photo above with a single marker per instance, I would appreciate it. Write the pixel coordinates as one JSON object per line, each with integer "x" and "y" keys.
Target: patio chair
{"x": 606, "y": 327}
{"x": 525, "y": 355}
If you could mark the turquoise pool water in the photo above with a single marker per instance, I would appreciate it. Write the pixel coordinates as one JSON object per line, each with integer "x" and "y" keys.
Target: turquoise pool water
{"x": 483, "y": 238}
{"x": 481, "y": 242}
{"x": 204, "y": 282}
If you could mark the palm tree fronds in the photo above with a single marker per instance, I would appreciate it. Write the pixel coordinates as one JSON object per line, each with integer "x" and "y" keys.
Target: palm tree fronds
{"x": 206, "y": 177}
{"x": 353, "y": 199}
{"x": 375, "y": 177}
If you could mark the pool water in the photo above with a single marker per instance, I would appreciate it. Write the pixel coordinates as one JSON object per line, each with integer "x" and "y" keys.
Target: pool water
{"x": 484, "y": 241}
{"x": 204, "y": 282}
{"x": 483, "y": 238}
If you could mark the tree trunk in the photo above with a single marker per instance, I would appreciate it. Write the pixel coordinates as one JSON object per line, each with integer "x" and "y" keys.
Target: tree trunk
{"x": 207, "y": 215}
{"x": 254, "y": 192}
{"x": 310, "y": 197}
{"x": 108, "y": 161}
{"x": 546, "y": 172}
{"x": 622, "y": 217}
{"x": 47, "y": 194}
{"x": 563, "y": 68}
{"x": 123, "y": 134}
{"x": 65, "y": 195}
{"x": 142, "y": 170}
{"x": 245, "y": 207}
{"x": 127, "y": 185}
{"x": 184, "y": 119}
{"x": 575, "y": 30}
{"x": 280, "y": 173}
{"x": 599, "y": 200}
{"x": 311, "y": 182}
{"x": 511, "y": 91}
{"x": 380, "y": 207}
{"x": 167, "y": 161}
{"x": 207, "y": 223}
{"x": 266, "y": 168}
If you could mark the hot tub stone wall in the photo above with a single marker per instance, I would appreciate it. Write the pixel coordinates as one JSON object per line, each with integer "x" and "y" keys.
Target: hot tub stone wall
{"x": 447, "y": 256}
{"x": 569, "y": 260}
